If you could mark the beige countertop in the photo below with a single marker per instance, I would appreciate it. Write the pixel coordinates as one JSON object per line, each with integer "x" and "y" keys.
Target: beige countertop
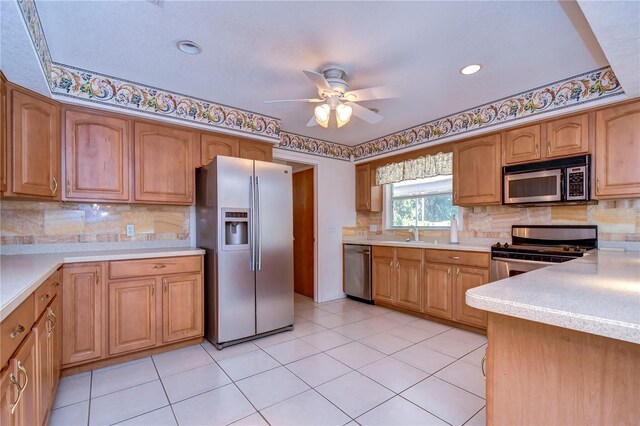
{"x": 21, "y": 274}
{"x": 597, "y": 294}
{"x": 420, "y": 244}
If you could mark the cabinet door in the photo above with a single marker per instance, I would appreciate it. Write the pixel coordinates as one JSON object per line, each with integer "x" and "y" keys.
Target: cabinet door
{"x": 409, "y": 278}
{"x": 251, "y": 150}
{"x": 44, "y": 349}
{"x": 182, "y": 307}
{"x": 3, "y": 133}
{"x": 617, "y": 150}
{"x": 363, "y": 187}
{"x": 477, "y": 174}
{"x": 568, "y": 136}
{"x": 212, "y": 145}
{"x": 9, "y": 390}
{"x": 97, "y": 150}
{"x": 383, "y": 274}
{"x": 522, "y": 145}
{"x": 35, "y": 140}
{"x": 132, "y": 315}
{"x": 164, "y": 171}
{"x": 438, "y": 290}
{"x": 23, "y": 367}
{"x": 82, "y": 325}
{"x": 467, "y": 278}
{"x": 55, "y": 316}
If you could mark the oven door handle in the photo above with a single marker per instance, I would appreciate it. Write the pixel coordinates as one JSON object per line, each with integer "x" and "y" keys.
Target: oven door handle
{"x": 540, "y": 262}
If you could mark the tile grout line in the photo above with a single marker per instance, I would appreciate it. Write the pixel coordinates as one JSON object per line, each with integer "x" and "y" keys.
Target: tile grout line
{"x": 90, "y": 391}
{"x": 153, "y": 361}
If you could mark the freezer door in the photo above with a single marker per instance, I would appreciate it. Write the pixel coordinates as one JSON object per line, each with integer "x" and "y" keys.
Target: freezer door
{"x": 235, "y": 307}
{"x": 274, "y": 245}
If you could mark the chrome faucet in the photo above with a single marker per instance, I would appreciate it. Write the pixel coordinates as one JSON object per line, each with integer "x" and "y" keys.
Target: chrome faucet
{"x": 416, "y": 234}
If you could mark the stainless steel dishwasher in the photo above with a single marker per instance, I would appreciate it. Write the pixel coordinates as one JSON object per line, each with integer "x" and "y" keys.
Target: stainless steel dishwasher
{"x": 357, "y": 272}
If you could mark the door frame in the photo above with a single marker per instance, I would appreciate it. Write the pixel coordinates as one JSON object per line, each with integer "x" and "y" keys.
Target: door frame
{"x": 289, "y": 156}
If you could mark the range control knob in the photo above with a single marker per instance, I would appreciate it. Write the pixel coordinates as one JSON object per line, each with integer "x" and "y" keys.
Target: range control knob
{"x": 498, "y": 245}
{"x": 577, "y": 248}
{"x": 506, "y": 245}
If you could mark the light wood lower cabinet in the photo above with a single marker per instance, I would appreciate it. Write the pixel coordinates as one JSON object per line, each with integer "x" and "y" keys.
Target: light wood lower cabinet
{"x": 438, "y": 286}
{"x": 383, "y": 274}
{"x": 20, "y": 386}
{"x": 397, "y": 276}
{"x": 465, "y": 279}
{"x": 82, "y": 303}
{"x": 182, "y": 307}
{"x": 132, "y": 315}
{"x": 46, "y": 371}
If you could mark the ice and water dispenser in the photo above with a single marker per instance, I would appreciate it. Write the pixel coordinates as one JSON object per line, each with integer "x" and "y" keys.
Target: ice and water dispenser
{"x": 235, "y": 229}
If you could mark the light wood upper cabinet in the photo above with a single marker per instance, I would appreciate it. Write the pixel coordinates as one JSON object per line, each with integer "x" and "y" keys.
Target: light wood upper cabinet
{"x": 522, "y": 145}
{"x": 408, "y": 286}
{"x": 35, "y": 146}
{"x": 212, "y": 144}
{"x": 617, "y": 150}
{"x": 82, "y": 303}
{"x": 182, "y": 307}
{"x": 477, "y": 174}
{"x": 97, "y": 149}
{"x": 383, "y": 272}
{"x": 132, "y": 315}
{"x": 467, "y": 278}
{"x": 368, "y": 196}
{"x": 164, "y": 171}
{"x": 253, "y": 150}
{"x": 4, "y": 124}
{"x": 567, "y": 136}
{"x": 438, "y": 290}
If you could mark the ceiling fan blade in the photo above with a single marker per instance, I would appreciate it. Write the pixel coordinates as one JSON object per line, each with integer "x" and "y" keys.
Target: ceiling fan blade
{"x": 294, "y": 100}
{"x": 378, "y": 92}
{"x": 364, "y": 113}
{"x": 318, "y": 79}
{"x": 312, "y": 122}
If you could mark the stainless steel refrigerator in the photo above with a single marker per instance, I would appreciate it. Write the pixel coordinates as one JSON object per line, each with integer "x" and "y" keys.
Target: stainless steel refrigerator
{"x": 244, "y": 221}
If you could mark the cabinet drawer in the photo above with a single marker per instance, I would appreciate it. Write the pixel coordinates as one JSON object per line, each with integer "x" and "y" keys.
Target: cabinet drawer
{"x": 380, "y": 251}
{"x": 18, "y": 325}
{"x": 458, "y": 257}
{"x": 45, "y": 293}
{"x": 157, "y": 266}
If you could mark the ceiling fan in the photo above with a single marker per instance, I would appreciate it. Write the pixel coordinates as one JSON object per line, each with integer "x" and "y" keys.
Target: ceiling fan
{"x": 332, "y": 89}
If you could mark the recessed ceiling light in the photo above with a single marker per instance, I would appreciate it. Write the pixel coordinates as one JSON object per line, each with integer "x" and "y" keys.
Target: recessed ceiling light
{"x": 470, "y": 69}
{"x": 187, "y": 46}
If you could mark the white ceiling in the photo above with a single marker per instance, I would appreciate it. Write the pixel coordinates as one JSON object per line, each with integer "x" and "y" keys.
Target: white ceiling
{"x": 255, "y": 51}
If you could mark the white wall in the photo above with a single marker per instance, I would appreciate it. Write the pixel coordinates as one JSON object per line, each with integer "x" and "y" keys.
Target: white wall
{"x": 335, "y": 208}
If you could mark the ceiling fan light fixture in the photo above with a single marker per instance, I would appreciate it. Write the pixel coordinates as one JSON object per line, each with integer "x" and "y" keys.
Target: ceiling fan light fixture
{"x": 321, "y": 113}
{"x": 343, "y": 112}
{"x": 470, "y": 69}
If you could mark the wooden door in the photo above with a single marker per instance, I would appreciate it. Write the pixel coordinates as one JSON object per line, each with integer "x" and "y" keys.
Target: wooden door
{"x": 252, "y": 150}
{"x": 44, "y": 372}
{"x": 617, "y": 150}
{"x": 303, "y": 232}
{"x": 384, "y": 274}
{"x": 409, "y": 278}
{"x": 465, "y": 279}
{"x": 212, "y": 144}
{"x": 35, "y": 141}
{"x": 164, "y": 171}
{"x": 132, "y": 315}
{"x": 477, "y": 173}
{"x": 568, "y": 136}
{"x": 24, "y": 367}
{"x": 363, "y": 187}
{"x": 4, "y": 123}
{"x": 97, "y": 149}
{"x": 522, "y": 145}
{"x": 82, "y": 325}
{"x": 438, "y": 290}
{"x": 182, "y": 307}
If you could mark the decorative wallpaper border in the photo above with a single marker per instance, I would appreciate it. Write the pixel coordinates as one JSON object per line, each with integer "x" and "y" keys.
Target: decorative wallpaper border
{"x": 95, "y": 87}
{"x": 570, "y": 92}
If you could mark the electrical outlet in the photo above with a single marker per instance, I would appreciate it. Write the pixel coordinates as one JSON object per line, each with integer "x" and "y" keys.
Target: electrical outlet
{"x": 373, "y": 228}
{"x": 131, "y": 230}
{"x": 333, "y": 229}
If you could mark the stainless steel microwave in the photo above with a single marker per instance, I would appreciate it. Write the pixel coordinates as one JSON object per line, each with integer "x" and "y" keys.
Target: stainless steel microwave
{"x": 565, "y": 180}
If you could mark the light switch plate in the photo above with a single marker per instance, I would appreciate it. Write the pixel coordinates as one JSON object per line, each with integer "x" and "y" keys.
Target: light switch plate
{"x": 131, "y": 230}
{"x": 373, "y": 228}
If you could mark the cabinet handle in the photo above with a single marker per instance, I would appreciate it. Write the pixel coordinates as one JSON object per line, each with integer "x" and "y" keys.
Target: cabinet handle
{"x": 537, "y": 150}
{"x": 397, "y": 265}
{"x": 45, "y": 297}
{"x": 14, "y": 381}
{"x": 158, "y": 266}
{"x": 17, "y": 331}
{"x": 153, "y": 289}
{"x": 449, "y": 271}
{"x": 166, "y": 286}
{"x": 457, "y": 272}
{"x": 97, "y": 276}
{"x": 455, "y": 195}
{"x": 598, "y": 185}
{"x": 56, "y": 284}
{"x": 53, "y": 319}
{"x": 548, "y": 148}
{"x": 68, "y": 187}
{"x": 454, "y": 257}
{"x": 55, "y": 186}
{"x": 484, "y": 361}
{"x": 190, "y": 191}
{"x": 391, "y": 265}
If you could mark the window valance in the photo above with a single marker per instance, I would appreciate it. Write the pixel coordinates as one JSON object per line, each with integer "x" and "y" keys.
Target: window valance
{"x": 417, "y": 168}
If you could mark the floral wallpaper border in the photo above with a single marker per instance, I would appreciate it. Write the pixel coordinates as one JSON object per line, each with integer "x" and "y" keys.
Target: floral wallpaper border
{"x": 99, "y": 88}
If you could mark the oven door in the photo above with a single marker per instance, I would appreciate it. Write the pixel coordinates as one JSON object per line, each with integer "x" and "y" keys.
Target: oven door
{"x": 533, "y": 187}
{"x": 502, "y": 267}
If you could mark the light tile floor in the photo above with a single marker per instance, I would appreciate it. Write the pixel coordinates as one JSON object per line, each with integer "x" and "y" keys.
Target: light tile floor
{"x": 345, "y": 363}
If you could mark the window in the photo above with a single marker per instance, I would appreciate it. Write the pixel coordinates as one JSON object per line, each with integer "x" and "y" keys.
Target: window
{"x": 421, "y": 202}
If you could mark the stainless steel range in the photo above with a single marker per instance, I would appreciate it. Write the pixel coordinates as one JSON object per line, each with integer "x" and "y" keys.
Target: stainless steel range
{"x": 537, "y": 246}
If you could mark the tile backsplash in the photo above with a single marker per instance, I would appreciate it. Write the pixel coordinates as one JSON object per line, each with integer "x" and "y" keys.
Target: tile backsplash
{"x": 33, "y": 222}
{"x": 617, "y": 220}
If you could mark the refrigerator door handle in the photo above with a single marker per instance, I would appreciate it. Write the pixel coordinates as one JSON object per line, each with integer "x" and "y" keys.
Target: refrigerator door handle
{"x": 259, "y": 224}
{"x": 252, "y": 222}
